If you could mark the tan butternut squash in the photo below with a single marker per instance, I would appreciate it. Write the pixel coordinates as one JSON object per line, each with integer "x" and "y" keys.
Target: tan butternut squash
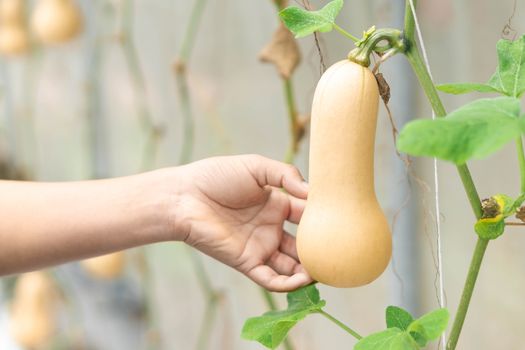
{"x": 343, "y": 239}
{"x": 32, "y": 321}
{"x": 14, "y": 38}
{"x": 105, "y": 266}
{"x": 56, "y": 21}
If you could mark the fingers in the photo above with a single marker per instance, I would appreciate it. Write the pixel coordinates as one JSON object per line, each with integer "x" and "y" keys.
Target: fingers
{"x": 272, "y": 281}
{"x": 283, "y": 264}
{"x": 274, "y": 173}
{"x": 288, "y": 246}
{"x": 296, "y": 209}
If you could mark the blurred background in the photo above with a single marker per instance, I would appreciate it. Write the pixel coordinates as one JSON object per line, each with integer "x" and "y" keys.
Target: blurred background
{"x": 105, "y": 88}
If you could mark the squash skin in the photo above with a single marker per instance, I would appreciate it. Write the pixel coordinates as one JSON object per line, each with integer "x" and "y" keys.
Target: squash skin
{"x": 105, "y": 266}
{"x": 343, "y": 239}
{"x": 56, "y": 21}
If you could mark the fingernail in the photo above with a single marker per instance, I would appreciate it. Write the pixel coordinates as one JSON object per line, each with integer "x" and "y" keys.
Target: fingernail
{"x": 305, "y": 185}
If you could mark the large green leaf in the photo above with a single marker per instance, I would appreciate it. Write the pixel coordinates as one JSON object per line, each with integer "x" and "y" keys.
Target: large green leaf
{"x": 509, "y": 78}
{"x": 398, "y": 318}
{"x": 302, "y": 22}
{"x": 271, "y": 328}
{"x": 475, "y": 130}
{"x": 389, "y": 339}
{"x": 510, "y": 75}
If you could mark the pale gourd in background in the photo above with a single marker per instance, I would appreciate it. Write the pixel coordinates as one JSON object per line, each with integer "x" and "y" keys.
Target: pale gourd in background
{"x": 14, "y": 38}
{"x": 56, "y": 21}
{"x": 343, "y": 239}
{"x": 106, "y": 266}
{"x": 32, "y": 321}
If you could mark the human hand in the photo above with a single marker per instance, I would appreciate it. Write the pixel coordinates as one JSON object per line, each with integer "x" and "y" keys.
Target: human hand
{"x": 233, "y": 209}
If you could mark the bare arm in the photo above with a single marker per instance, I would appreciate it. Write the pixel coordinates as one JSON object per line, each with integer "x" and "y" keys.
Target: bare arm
{"x": 44, "y": 224}
{"x": 230, "y": 208}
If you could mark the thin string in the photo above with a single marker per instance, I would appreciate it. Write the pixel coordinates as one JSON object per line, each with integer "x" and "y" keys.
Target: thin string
{"x": 441, "y": 298}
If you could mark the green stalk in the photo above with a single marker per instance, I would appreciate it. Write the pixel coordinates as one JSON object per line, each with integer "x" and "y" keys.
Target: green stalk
{"x": 464, "y": 302}
{"x": 426, "y": 83}
{"x": 182, "y": 81}
{"x": 521, "y": 159}
{"x": 425, "y": 80}
{"x": 340, "y": 324}
{"x": 295, "y": 127}
{"x": 409, "y": 20}
{"x": 345, "y": 33}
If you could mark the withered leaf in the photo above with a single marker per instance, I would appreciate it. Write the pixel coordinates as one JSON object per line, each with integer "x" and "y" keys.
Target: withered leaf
{"x": 282, "y": 51}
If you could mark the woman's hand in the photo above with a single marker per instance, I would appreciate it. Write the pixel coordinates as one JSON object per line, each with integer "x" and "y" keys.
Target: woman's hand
{"x": 233, "y": 209}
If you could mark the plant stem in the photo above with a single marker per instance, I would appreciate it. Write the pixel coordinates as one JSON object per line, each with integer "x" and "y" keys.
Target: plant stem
{"x": 473, "y": 272}
{"x": 191, "y": 30}
{"x": 425, "y": 80}
{"x": 154, "y": 132}
{"x": 521, "y": 159}
{"x": 345, "y": 33}
{"x": 426, "y": 83}
{"x": 181, "y": 78}
{"x": 340, "y": 324}
{"x": 409, "y": 20}
{"x": 296, "y": 129}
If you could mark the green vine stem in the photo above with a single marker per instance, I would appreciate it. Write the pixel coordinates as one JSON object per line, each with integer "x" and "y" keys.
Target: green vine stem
{"x": 521, "y": 159}
{"x": 345, "y": 33}
{"x": 213, "y": 296}
{"x": 181, "y": 77}
{"x": 475, "y": 265}
{"x": 154, "y": 132}
{"x": 425, "y": 80}
{"x": 340, "y": 324}
{"x": 297, "y": 127}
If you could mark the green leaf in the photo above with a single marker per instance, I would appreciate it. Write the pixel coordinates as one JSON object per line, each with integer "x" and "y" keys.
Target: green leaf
{"x": 431, "y": 325}
{"x": 271, "y": 328}
{"x": 475, "y": 130}
{"x": 420, "y": 339}
{"x": 303, "y": 23}
{"x": 398, "y": 318}
{"x": 463, "y": 88}
{"x": 510, "y": 74}
{"x": 490, "y": 228}
{"x": 390, "y": 339}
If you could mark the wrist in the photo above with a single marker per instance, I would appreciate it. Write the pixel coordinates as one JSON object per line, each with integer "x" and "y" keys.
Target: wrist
{"x": 166, "y": 189}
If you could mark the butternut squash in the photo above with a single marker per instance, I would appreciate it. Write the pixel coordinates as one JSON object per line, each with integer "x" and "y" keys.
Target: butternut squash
{"x": 56, "y": 21}
{"x": 14, "y": 39}
{"x": 343, "y": 238}
{"x": 32, "y": 321}
{"x": 105, "y": 266}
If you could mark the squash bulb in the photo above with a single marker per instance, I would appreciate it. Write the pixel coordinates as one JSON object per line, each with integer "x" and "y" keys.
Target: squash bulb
{"x": 14, "y": 39}
{"x": 106, "y": 266}
{"x": 343, "y": 239}
{"x": 32, "y": 322}
{"x": 56, "y": 21}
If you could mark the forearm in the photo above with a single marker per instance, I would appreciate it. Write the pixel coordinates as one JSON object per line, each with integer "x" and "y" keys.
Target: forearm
{"x": 43, "y": 224}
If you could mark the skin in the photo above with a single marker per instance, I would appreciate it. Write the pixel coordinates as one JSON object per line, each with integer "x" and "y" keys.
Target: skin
{"x": 230, "y": 208}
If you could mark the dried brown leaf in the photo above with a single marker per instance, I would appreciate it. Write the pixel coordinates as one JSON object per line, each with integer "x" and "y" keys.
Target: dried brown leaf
{"x": 282, "y": 51}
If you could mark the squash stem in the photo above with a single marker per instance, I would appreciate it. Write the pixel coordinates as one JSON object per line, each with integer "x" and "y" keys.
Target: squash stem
{"x": 340, "y": 324}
